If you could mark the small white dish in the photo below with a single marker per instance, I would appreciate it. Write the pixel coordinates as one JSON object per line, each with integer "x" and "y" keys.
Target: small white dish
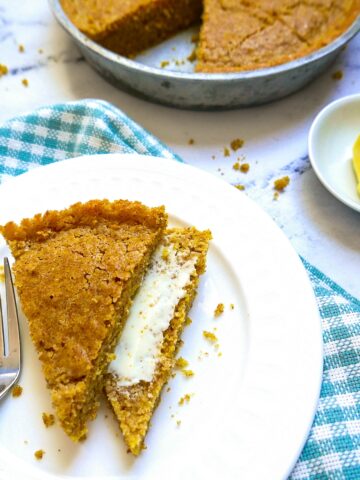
{"x": 331, "y": 139}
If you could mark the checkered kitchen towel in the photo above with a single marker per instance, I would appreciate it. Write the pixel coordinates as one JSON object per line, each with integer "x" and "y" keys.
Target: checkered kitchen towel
{"x": 88, "y": 127}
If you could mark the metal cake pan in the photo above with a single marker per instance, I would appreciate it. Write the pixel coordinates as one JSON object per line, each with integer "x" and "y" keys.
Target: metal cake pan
{"x": 203, "y": 91}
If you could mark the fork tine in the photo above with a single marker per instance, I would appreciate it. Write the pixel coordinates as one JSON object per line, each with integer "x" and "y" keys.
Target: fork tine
{"x": 2, "y": 345}
{"x": 12, "y": 315}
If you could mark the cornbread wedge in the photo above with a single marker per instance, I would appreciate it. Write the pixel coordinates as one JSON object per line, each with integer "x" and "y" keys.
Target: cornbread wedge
{"x": 130, "y": 26}
{"x": 76, "y": 272}
{"x": 146, "y": 352}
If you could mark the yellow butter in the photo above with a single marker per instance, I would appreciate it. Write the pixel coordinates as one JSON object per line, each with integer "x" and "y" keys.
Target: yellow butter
{"x": 356, "y": 162}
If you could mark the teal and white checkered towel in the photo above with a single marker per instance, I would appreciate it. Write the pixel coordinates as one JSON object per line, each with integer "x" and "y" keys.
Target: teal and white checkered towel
{"x": 68, "y": 130}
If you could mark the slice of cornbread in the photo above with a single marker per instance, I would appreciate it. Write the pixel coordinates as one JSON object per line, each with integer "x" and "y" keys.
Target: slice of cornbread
{"x": 146, "y": 352}
{"x": 76, "y": 272}
{"x": 130, "y": 26}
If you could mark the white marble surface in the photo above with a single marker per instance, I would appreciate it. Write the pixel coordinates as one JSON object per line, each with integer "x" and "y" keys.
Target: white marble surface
{"x": 320, "y": 228}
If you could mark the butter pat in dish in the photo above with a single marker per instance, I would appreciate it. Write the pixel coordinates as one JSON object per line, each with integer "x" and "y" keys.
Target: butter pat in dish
{"x": 356, "y": 162}
{"x": 331, "y": 148}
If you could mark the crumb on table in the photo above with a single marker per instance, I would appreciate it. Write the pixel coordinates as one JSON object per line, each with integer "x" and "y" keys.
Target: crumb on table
{"x": 191, "y": 141}
{"x": 281, "y": 183}
{"x": 48, "y": 419}
{"x": 219, "y": 310}
{"x": 244, "y": 168}
{"x": 16, "y": 391}
{"x": 39, "y": 454}
{"x": 338, "y": 75}
{"x": 232, "y": 306}
{"x": 226, "y": 152}
{"x": 240, "y": 187}
{"x": 164, "y": 63}
{"x": 25, "y": 82}
{"x": 276, "y": 196}
{"x": 21, "y": 48}
{"x": 236, "y": 144}
{"x": 188, "y": 321}
{"x": 3, "y": 70}
{"x": 187, "y": 373}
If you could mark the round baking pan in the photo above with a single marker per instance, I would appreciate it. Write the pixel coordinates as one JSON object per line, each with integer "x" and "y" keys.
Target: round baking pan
{"x": 203, "y": 91}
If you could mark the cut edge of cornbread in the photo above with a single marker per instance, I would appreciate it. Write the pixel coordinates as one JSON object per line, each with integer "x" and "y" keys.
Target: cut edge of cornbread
{"x": 134, "y": 405}
{"x": 130, "y": 29}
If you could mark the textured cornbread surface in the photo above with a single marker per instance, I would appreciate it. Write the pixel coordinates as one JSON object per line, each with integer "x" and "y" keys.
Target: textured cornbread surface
{"x": 76, "y": 271}
{"x": 251, "y": 34}
{"x": 130, "y": 26}
{"x": 134, "y": 405}
{"x": 235, "y": 35}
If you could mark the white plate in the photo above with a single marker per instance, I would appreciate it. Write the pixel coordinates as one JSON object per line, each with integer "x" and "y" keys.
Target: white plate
{"x": 331, "y": 139}
{"x": 253, "y": 406}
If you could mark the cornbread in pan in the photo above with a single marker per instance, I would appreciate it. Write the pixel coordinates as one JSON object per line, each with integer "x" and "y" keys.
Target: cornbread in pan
{"x": 130, "y": 26}
{"x": 239, "y": 35}
{"x": 76, "y": 272}
{"x": 145, "y": 355}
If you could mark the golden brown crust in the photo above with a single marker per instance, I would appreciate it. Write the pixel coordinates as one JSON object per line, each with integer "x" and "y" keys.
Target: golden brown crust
{"x": 241, "y": 35}
{"x": 135, "y": 405}
{"x": 76, "y": 272}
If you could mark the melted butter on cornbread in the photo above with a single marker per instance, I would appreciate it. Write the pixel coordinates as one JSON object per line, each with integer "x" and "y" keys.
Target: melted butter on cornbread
{"x": 152, "y": 310}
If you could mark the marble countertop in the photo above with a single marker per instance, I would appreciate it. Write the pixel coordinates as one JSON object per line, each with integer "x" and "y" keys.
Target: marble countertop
{"x": 321, "y": 229}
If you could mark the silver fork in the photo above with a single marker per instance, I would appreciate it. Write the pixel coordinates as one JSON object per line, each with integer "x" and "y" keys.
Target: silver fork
{"x": 10, "y": 359}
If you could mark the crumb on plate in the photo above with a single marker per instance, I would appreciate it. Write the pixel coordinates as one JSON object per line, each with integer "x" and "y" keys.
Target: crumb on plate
{"x": 48, "y": 419}
{"x": 210, "y": 336}
{"x": 219, "y": 310}
{"x": 186, "y": 398}
{"x": 181, "y": 363}
{"x": 192, "y": 57}
{"x": 39, "y": 454}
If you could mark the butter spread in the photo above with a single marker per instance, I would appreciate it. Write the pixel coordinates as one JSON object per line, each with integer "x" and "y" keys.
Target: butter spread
{"x": 150, "y": 315}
